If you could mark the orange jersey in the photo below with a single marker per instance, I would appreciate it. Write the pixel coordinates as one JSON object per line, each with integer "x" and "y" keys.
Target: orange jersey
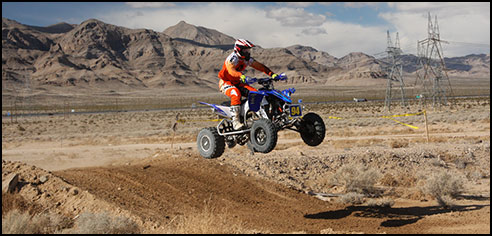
{"x": 233, "y": 65}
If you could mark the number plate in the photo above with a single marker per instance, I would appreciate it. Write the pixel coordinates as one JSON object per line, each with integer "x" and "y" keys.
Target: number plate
{"x": 295, "y": 110}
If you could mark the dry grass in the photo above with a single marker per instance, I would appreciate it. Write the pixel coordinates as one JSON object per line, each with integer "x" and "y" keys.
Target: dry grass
{"x": 17, "y": 222}
{"x": 207, "y": 221}
{"x": 19, "y": 217}
{"x": 22, "y": 217}
{"x": 103, "y": 223}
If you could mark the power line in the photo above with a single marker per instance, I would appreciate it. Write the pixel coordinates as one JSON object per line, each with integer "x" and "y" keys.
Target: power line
{"x": 482, "y": 44}
{"x": 411, "y": 47}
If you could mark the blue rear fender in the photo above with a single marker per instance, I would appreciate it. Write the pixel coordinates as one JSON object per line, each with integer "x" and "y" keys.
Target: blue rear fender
{"x": 217, "y": 109}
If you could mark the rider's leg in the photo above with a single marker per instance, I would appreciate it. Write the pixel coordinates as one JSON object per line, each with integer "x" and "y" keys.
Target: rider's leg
{"x": 236, "y": 121}
{"x": 231, "y": 91}
{"x": 247, "y": 87}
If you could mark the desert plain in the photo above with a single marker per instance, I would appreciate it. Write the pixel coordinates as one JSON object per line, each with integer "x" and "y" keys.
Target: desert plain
{"x": 372, "y": 173}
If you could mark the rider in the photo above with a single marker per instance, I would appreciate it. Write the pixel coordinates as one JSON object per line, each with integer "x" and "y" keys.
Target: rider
{"x": 233, "y": 82}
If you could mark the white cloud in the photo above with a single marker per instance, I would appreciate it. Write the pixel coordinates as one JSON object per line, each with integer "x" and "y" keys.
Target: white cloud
{"x": 286, "y": 26}
{"x": 299, "y": 4}
{"x": 329, "y": 14}
{"x": 257, "y": 26}
{"x": 314, "y": 31}
{"x": 150, "y": 4}
{"x": 296, "y": 17}
{"x": 361, "y": 4}
{"x": 342, "y": 39}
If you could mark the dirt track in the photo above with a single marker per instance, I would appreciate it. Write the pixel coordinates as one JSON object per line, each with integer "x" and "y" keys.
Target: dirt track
{"x": 175, "y": 186}
{"x": 159, "y": 189}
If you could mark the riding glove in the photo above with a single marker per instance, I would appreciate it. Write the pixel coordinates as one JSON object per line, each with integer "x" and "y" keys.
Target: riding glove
{"x": 242, "y": 78}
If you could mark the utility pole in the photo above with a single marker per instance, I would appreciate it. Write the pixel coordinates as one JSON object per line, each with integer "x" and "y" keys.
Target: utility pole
{"x": 395, "y": 72}
{"x": 27, "y": 94}
{"x": 432, "y": 74}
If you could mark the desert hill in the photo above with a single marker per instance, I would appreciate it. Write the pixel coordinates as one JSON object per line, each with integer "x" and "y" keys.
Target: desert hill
{"x": 311, "y": 54}
{"x": 199, "y": 34}
{"x": 475, "y": 65}
{"x": 98, "y": 55}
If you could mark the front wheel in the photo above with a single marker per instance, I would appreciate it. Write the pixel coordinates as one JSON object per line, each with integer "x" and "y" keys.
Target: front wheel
{"x": 312, "y": 129}
{"x": 263, "y": 136}
{"x": 210, "y": 143}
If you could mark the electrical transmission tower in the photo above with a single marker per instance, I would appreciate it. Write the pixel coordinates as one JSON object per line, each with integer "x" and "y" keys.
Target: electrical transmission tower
{"x": 432, "y": 74}
{"x": 395, "y": 71}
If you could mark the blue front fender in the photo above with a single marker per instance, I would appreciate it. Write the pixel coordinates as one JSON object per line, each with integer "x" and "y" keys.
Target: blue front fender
{"x": 285, "y": 95}
{"x": 254, "y": 100}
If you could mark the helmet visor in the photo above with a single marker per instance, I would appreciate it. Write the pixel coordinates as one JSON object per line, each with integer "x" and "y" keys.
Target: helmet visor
{"x": 246, "y": 52}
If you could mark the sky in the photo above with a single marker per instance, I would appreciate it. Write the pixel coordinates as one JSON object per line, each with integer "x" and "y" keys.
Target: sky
{"x": 337, "y": 28}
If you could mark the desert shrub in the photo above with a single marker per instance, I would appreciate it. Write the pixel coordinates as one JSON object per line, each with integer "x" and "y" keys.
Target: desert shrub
{"x": 475, "y": 175}
{"x": 49, "y": 223}
{"x": 460, "y": 163}
{"x": 437, "y": 162}
{"x": 399, "y": 143}
{"x": 21, "y": 128}
{"x": 352, "y": 198}
{"x": 23, "y": 217}
{"x": 381, "y": 202}
{"x": 389, "y": 180}
{"x": 444, "y": 186}
{"x": 356, "y": 178}
{"x": 16, "y": 222}
{"x": 102, "y": 223}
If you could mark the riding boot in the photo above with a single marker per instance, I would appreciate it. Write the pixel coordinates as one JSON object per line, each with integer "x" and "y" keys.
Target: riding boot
{"x": 236, "y": 122}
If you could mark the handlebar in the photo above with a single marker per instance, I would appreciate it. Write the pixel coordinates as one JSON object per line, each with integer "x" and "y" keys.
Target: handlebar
{"x": 280, "y": 77}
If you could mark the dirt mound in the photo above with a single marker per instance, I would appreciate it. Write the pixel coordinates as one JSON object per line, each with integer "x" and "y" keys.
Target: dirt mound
{"x": 157, "y": 190}
{"x": 50, "y": 193}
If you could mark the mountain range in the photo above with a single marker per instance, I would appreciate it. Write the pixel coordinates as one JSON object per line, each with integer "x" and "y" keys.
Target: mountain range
{"x": 94, "y": 54}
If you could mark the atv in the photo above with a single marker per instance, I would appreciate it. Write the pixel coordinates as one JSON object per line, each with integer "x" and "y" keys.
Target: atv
{"x": 263, "y": 114}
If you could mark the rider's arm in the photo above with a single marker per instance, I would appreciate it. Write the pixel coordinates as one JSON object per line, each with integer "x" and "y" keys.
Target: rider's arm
{"x": 232, "y": 70}
{"x": 261, "y": 67}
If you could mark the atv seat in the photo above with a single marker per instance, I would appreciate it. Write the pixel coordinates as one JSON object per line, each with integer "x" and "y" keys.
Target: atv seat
{"x": 228, "y": 103}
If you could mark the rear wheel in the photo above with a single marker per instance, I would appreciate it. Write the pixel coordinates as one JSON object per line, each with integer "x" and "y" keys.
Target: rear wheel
{"x": 263, "y": 136}
{"x": 312, "y": 129}
{"x": 210, "y": 143}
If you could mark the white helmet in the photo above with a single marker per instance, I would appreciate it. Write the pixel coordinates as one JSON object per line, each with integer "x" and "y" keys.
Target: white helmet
{"x": 242, "y": 48}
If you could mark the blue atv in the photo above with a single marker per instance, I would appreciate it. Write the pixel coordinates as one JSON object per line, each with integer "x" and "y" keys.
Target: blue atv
{"x": 263, "y": 114}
